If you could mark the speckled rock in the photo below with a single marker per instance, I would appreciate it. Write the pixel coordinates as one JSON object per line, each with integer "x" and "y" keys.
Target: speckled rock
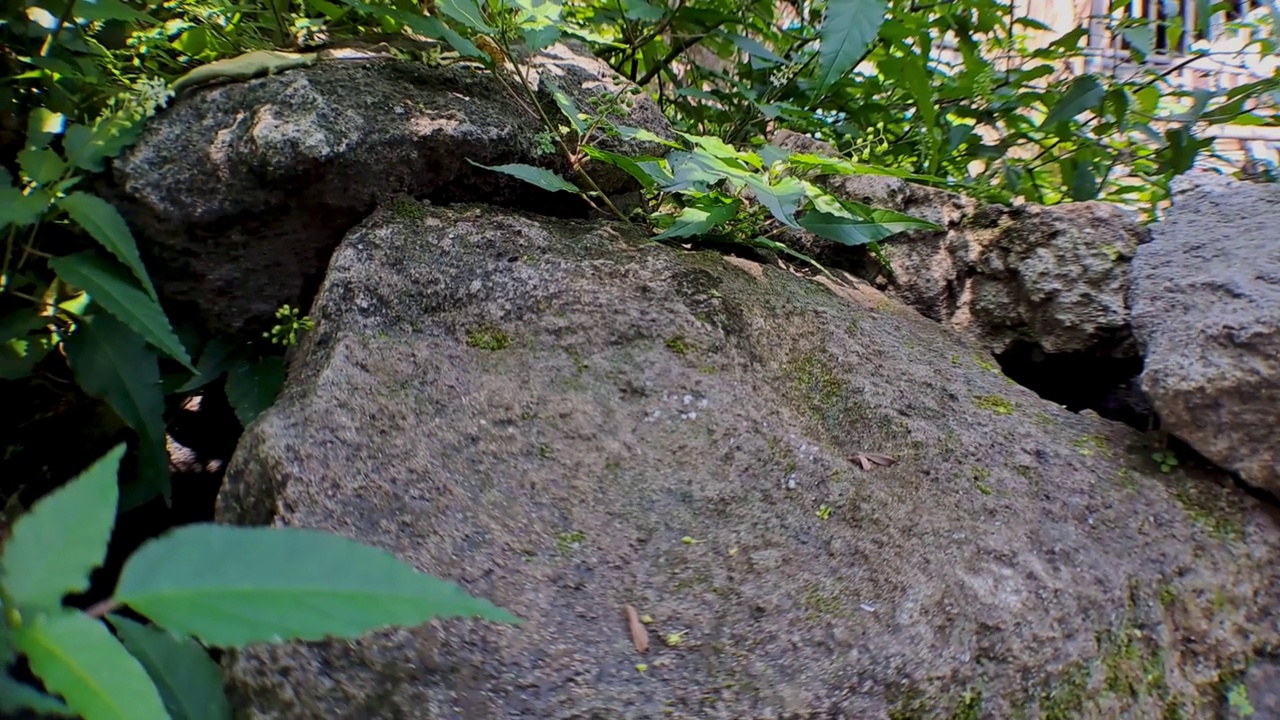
{"x": 1055, "y": 278}
{"x": 1206, "y": 308}
{"x": 238, "y": 193}
{"x": 542, "y": 410}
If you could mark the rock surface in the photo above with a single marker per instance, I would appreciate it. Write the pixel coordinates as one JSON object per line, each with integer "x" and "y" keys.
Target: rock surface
{"x": 239, "y": 192}
{"x": 1206, "y": 308}
{"x": 1053, "y": 277}
{"x": 541, "y": 410}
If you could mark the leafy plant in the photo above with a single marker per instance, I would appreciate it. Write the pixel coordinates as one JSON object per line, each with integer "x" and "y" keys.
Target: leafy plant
{"x": 1166, "y": 460}
{"x": 202, "y": 585}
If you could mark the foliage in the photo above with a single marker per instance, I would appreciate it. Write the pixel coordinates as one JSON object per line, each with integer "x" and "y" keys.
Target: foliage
{"x": 202, "y": 585}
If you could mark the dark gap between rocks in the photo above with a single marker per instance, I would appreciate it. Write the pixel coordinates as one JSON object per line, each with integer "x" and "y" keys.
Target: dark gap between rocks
{"x": 1081, "y": 381}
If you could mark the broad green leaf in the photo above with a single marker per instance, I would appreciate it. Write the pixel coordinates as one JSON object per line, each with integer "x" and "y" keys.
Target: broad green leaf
{"x": 19, "y": 209}
{"x": 567, "y": 107}
{"x": 213, "y": 362}
{"x": 78, "y": 658}
{"x": 189, "y": 681}
{"x": 466, "y": 12}
{"x": 16, "y": 697}
{"x": 700, "y": 219}
{"x": 782, "y": 198}
{"x": 718, "y": 148}
{"x": 641, "y": 10}
{"x": 253, "y": 386}
{"x": 630, "y": 165}
{"x": 232, "y": 586}
{"x": 1084, "y": 92}
{"x": 111, "y": 362}
{"x": 63, "y": 537}
{"x": 914, "y": 75}
{"x": 42, "y": 126}
{"x": 847, "y": 31}
{"x": 626, "y": 132}
{"x": 699, "y": 170}
{"x": 43, "y": 166}
{"x": 24, "y": 341}
{"x": 110, "y": 10}
{"x": 543, "y": 178}
{"x": 879, "y": 225}
{"x": 755, "y": 49}
{"x": 1140, "y": 37}
{"x": 118, "y": 293}
{"x": 102, "y": 221}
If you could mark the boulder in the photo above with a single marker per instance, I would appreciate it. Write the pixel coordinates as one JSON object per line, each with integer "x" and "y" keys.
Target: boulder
{"x": 1054, "y": 278}
{"x": 1205, "y": 299}
{"x": 238, "y": 193}
{"x": 827, "y": 505}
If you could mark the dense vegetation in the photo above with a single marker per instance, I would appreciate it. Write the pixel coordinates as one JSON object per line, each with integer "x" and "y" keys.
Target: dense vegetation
{"x": 962, "y": 94}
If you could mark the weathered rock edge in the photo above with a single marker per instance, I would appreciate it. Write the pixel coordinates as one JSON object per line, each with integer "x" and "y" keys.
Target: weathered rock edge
{"x": 541, "y": 410}
{"x": 239, "y": 193}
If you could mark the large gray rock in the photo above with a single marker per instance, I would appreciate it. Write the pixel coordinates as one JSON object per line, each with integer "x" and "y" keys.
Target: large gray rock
{"x": 541, "y": 410}
{"x": 1206, "y": 307}
{"x": 1052, "y": 277}
{"x": 240, "y": 192}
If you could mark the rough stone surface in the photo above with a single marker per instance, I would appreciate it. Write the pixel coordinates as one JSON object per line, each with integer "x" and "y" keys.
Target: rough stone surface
{"x": 1053, "y": 277}
{"x": 541, "y": 410}
{"x": 1206, "y": 308}
{"x": 240, "y": 192}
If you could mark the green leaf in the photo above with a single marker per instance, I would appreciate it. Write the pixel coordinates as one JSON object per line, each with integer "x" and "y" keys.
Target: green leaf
{"x": 630, "y": 165}
{"x": 466, "y": 12}
{"x": 213, "y": 362}
{"x": 641, "y": 10}
{"x": 78, "y": 658}
{"x": 755, "y": 49}
{"x": 627, "y": 132}
{"x": 111, "y": 362}
{"x": 700, "y": 219}
{"x": 20, "y": 349}
{"x": 63, "y": 537}
{"x": 253, "y": 387}
{"x": 21, "y": 210}
{"x": 232, "y": 586}
{"x": 1085, "y": 92}
{"x": 876, "y": 225}
{"x": 16, "y": 697}
{"x": 543, "y": 178}
{"x": 848, "y": 30}
{"x": 110, "y": 10}
{"x": 43, "y": 166}
{"x": 119, "y": 294}
{"x": 1140, "y": 37}
{"x": 567, "y": 107}
{"x": 102, "y": 221}
{"x": 782, "y": 198}
{"x": 42, "y": 126}
{"x": 190, "y": 682}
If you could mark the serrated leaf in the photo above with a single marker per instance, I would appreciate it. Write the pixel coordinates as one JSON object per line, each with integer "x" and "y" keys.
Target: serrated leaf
{"x": 20, "y": 349}
{"x": 630, "y": 165}
{"x": 543, "y": 178}
{"x": 42, "y": 126}
{"x": 111, "y": 362}
{"x": 214, "y": 361}
{"x": 567, "y": 106}
{"x": 103, "y": 222}
{"x": 85, "y": 148}
{"x": 848, "y": 30}
{"x": 189, "y": 681}
{"x": 63, "y": 537}
{"x": 118, "y": 293}
{"x": 16, "y": 697}
{"x": 699, "y": 220}
{"x": 1084, "y": 92}
{"x": 466, "y": 12}
{"x": 878, "y": 225}
{"x": 21, "y": 210}
{"x": 78, "y": 658}
{"x": 232, "y": 586}
{"x": 42, "y": 166}
{"x": 782, "y": 198}
{"x": 110, "y": 10}
{"x": 253, "y": 386}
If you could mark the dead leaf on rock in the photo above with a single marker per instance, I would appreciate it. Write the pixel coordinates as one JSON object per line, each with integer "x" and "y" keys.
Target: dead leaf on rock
{"x": 639, "y": 635}
{"x": 868, "y": 460}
